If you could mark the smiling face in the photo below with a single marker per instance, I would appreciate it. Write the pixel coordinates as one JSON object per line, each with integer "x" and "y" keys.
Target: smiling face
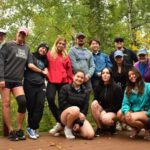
{"x": 61, "y": 45}
{"x": 142, "y": 58}
{"x": 119, "y": 59}
{"x": 80, "y": 41}
{"x": 78, "y": 78}
{"x": 95, "y": 46}
{"x": 132, "y": 76}
{"x": 119, "y": 44}
{"x": 21, "y": 37}
{"x": 42, "y": 51}
{"x": 105, "y": 76}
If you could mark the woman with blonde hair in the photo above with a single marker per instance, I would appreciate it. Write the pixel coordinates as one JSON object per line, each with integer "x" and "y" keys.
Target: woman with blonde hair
{"x": 60, "y": 73}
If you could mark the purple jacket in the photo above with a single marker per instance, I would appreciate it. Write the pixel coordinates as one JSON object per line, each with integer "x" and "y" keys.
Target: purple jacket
{"x": 146, "y": 76}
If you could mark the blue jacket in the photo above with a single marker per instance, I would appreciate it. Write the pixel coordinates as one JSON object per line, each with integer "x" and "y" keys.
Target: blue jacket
{"x": 101, "y": 61}
{"x": 136, "y": 102}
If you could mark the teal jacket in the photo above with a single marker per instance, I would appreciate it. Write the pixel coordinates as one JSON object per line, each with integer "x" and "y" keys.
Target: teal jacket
{"x": 137, "y": 102}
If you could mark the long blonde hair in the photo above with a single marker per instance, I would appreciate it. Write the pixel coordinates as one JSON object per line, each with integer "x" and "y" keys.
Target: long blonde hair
{"x": 54, "y": 51}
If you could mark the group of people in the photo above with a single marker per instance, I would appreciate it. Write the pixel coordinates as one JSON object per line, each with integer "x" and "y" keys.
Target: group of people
{"x": 119, "y": 83}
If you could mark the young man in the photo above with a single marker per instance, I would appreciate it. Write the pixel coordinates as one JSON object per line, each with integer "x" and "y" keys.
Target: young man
{"x": 81, "y": 58}
{"x": 101, "y": 61}
{"x": 129, "y": 55}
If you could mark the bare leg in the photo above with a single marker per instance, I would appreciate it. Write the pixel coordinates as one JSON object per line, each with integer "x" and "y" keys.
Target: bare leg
{"x": 138, "y": 120}
{"x": 69, "y": 115}
{"x": 86, "y": 130}
{"x": 96, "y": 111}
{"x": 6, "y": 108}
{"x": 108, "y": 118}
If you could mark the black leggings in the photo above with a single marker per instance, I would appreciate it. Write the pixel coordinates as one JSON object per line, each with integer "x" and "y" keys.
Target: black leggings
{"x": 52, "y": 88}
{"x": 35, "y": 96}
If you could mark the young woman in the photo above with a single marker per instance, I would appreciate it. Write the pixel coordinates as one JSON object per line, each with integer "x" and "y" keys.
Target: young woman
{"x": 60, "y": 73}
{"x": 120, "y": 73}
{"x": 13, "y": 59}
{"x": 107, "y": 101}
{"x": 34, "y": 87}
{"x": 73, "y": 103}
{"x": 135, "y": 108}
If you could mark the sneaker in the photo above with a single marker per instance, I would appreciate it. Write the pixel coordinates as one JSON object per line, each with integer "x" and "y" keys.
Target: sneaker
{"x": 31, "y": 133}
{"x": 134, "y": 133}
{"x": 68, "y": 133}
{"x": 147, "y": 135}
{"x": 99, "y": 132}
{"x": 113, "y": 130}
{"x": 20, "y": 134}
{"x": 55, "y": 130}
{"x": 118, "y": 126}
{"x": 37, "y": 134}
{"x": 12, "y": 136}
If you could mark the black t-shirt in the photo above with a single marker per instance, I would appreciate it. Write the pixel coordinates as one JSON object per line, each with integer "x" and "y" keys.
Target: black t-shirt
{"x": 32, "y": 76}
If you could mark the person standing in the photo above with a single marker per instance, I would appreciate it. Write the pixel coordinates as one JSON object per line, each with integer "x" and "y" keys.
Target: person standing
{"x": 129, "y": 56}
{"x": 81, "y": 58}
{"x": 101, "y": 61}
{"x": 143, "y": 64}
{"x": 59, "y": 74}
{"x": 34, "y": 87}
{"x": 13, "y": 59}
{"x": 2, "y": 37}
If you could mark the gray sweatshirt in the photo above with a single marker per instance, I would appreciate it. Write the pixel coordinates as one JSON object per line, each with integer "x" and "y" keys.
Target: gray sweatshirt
{"x": 13, "y": 59}
{"x": 81, "y": 58}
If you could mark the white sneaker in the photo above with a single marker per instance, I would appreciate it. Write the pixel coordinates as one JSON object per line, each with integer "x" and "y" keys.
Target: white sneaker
{"x": 68, "y": 133}
{"x": 37, "y": 134}
{"x": 147, "y": 135}
{"x": 31, "y": 133}
{"x": 119, "y": 126}
{"x": 55, "y": 130}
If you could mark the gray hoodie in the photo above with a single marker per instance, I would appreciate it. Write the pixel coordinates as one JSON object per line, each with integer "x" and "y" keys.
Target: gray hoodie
{"x": 13, "y": 59}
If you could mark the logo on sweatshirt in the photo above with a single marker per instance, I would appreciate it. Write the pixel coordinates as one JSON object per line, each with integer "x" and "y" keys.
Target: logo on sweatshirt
{"x": 21, "y": 53}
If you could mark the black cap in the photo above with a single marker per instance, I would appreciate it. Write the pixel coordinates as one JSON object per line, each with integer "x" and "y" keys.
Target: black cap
{"x": 43, "y": 45}
{"x": 119, "y": 39}
{"x": 80, "y": 34}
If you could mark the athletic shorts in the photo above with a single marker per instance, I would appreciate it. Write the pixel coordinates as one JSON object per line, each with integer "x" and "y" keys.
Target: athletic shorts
{"x": 11, "y": 85}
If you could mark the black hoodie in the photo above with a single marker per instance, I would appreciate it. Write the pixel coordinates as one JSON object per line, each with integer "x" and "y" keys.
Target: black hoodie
{"x": 41, "y": 62}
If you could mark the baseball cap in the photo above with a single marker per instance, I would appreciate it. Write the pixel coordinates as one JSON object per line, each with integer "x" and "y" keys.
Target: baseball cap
{"x": 80, "y": 34}
{"x": 142, "y": 51}
{"x": 23, "y": 29}
{"x": 118, "y": 39}
{"x": 118, "y": 53}
{"x": 3, "y": 31}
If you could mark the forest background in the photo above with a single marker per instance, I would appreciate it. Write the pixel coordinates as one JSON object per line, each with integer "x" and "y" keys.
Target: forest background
{"x": 101, "y": 19}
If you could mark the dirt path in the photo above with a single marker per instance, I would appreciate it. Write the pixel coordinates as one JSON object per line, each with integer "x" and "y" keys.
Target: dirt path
{"x": 47, "y": 142}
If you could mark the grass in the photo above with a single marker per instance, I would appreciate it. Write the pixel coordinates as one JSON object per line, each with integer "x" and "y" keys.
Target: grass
{"x": 47, "y": 121}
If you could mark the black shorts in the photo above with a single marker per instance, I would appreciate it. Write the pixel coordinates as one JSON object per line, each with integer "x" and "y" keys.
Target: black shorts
{"x": 11, "y": 85}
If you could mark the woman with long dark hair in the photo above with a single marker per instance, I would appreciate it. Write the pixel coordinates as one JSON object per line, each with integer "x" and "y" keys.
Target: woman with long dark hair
{"x": 135, "y": 108}
{"x": 107, "y": 101}
{"x": 120, "y": 72}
